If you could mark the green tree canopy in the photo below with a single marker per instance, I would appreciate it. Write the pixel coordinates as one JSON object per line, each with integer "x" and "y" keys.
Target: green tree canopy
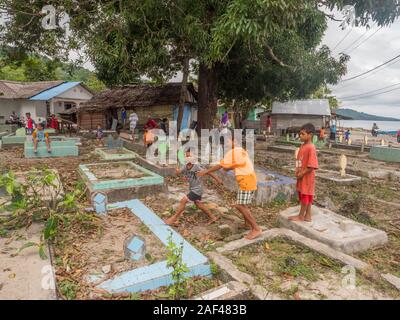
{"x": 246, "y": 50}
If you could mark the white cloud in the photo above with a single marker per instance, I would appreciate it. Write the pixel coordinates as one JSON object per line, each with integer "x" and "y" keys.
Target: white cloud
{"x": 381, "y": 47}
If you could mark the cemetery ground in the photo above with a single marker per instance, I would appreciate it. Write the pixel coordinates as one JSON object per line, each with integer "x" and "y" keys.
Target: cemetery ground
{"x": 87, "y": 244}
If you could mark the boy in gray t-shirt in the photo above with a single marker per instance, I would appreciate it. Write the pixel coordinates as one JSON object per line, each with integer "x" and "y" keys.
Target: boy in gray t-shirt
{"x": 190, "y": 171}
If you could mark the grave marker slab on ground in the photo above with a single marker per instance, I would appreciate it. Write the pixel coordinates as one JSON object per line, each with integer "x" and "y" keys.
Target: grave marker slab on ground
{"x": 334, "y": 176}
{"x": 115, "y": 154}
{"x": 60, "y": 147}
{"x": 335, "y": 230}
{"x": 158, "y": 274}
{"x": 120, "y": 180}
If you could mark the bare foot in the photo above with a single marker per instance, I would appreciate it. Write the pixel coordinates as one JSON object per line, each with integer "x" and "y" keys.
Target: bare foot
{"x": 170, "y": 221}
{"x": 34, "y": 151}
{"x": 307, "y": 219}
{"x": 296, "y": 218}
{"x": 211, "y": 221}
{"x": 253, "y": 234}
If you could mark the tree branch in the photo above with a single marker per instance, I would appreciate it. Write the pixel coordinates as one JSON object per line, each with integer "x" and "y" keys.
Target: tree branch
{"x": 275, "y": 58}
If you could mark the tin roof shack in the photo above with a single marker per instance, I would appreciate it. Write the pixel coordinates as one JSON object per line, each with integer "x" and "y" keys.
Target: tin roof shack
{"x": 157, "y": 101}
{"x": 290, "y": 116}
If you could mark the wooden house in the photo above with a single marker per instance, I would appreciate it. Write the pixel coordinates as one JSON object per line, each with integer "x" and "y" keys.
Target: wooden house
{"x": 156, "y": 101}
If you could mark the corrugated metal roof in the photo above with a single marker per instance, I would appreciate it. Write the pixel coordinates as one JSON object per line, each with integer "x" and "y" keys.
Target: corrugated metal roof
{"x": 312, "y": 106}
{"x": 53, "y": 92}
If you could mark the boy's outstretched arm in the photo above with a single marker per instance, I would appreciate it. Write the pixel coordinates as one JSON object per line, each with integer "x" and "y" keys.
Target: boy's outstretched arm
{"x": 216, "y": 179}
{"x": 208, "y": 171}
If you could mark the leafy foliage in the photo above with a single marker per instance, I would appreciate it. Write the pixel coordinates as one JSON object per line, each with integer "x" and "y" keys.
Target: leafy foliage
{"x": 40, "y": 198}
{"x": 174, "y": 261}
{"x": 247, "y": 51}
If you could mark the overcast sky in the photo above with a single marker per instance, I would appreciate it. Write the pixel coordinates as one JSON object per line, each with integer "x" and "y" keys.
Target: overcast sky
{"x": 381, "y": 47}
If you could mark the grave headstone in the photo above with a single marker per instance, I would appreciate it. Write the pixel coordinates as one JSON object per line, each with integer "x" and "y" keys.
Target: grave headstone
{"x": 135, "y": 248}
{"x": 114, "y": 124}
{"x": 99, "y": 201}
{"x": 110, "y": 142}
{"x": 20, "y": 132}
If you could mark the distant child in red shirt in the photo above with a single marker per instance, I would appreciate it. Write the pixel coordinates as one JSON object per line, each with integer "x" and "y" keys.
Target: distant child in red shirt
{"x": 307, "y": 163}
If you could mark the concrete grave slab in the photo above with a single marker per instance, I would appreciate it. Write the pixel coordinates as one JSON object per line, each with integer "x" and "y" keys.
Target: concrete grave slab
{"x": 335, "y": 230}
{"x": 158, "y": 274}
{"x": 233, "y": 290}
{"x": 120, "y": 180}
{"x": 270, "y": 185}
{"x": 25, "y": 276}
{"x": 60, "y": 147}
{"x": 115, "y": 154}
{"x": 335, "y": 176}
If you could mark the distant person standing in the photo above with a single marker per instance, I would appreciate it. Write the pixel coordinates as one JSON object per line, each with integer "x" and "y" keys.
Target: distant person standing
{"x": 269, "y": 124}
{"x": 398, "y": 136}
{"x": 374, "y": 130}
{"x": 333, "y": 132}
{"x": 322, "y": 134}
{"x": 29, "y": 124}
{"x": 133, "y": 119}
{"x": 54, "y": 122}
{"x": 123, "y": 117}
{"x": 347, "y": 135}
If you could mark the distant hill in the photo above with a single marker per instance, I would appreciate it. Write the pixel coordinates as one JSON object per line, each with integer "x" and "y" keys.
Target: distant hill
{"x": 355, "y": 115}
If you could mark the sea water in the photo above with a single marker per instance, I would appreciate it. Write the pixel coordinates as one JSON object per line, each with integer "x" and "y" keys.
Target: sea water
{"x": 367, "y": 124}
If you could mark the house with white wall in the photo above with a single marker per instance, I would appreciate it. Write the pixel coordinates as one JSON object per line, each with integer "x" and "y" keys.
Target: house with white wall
{"x": 40, "y": 99}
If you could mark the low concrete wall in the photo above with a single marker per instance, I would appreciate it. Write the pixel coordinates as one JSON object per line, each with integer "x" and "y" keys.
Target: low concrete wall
{"x": 385, "y": 154}
{"x": 281, "y": 188}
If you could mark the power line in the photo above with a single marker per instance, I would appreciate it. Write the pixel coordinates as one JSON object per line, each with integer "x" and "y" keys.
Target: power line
{"x": 365, "y": 40}
{"x": 344, "y": 38}
{"x": 369, "y": 92}
{"x": 376, "y": 94}
{"x": 358, "y": 39}
{"x": 348, "y": 84}
{"x": 369, "y": 71}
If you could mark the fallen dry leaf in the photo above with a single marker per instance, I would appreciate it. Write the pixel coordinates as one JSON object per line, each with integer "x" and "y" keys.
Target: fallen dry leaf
{"x": 296, "y": 296}
{"x": 12, "y": 276}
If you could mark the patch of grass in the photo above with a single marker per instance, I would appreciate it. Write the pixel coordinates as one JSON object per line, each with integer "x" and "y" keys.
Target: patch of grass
{"x": 143, "y": 229}
{"x": 295, "y": 268}
{"x": 68, "y": 289}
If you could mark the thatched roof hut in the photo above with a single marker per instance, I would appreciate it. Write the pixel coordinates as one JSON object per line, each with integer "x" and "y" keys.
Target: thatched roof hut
{"x": 158, "y": 101}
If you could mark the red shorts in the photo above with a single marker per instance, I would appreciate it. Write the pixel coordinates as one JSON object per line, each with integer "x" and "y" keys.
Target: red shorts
{"x": 305, "y": 198}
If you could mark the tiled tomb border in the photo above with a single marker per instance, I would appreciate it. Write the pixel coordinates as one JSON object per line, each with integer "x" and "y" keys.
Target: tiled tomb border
{"x": 260, "y": 292}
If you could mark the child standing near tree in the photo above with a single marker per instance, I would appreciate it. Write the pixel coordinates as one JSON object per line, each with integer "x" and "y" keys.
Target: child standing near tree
{"x": 307, "y": 163}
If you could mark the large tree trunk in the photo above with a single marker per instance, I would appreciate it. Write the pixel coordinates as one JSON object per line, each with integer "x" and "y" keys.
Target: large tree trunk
{"x": 208, "y": 81}
{"x": 185, "y": 75}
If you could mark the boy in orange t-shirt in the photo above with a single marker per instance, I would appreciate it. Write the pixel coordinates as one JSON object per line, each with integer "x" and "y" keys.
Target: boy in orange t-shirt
{"x": 306, "y": 165}
{"x": 237, "y": 159}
